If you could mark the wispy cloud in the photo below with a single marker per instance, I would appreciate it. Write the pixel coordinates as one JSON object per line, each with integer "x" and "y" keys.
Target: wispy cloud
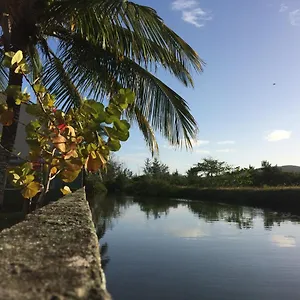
{"x": 225, "y": 150}
{"x": 202, "y": 151}
{"x": 295, "y": 17}
{"x": 226, "y": 142}
{"x": 278, "y": 135}
{"x": 192, "y": 12}
{"x": 284, "y": 241}
{"x": 283, "y": 7}
{"x": 195, "y": 144}
{"x": 184, "y": 4}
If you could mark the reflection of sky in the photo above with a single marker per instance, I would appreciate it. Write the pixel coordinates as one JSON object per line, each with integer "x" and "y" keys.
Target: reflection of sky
{"x": 284, "y": 241}
{"x": 208, "y": 260}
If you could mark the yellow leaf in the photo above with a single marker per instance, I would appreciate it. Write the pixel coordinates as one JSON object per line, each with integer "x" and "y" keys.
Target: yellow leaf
{"x": 66, "y": 190}
{"x": 94, "y": 162}
{"x": 69, "y": 176}
{"x": 53, "y": 171}
{"x": 17, "y": 58}
{"x": 59, "y": 143}
{"x": 28, "y": 179}
{"x": 31, "y": 190}
{"x": 71, "y": 153}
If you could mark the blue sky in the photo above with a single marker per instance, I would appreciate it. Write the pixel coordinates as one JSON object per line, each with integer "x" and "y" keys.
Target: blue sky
{"x": 243, "y": 118}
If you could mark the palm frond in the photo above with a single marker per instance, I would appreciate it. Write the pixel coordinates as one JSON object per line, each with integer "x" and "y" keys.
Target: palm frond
{"x": 145, "y": 127}
{"x": 58, "y": 82}
{"x": 134, "y": 31}
{"x": 34, "y": 61}
{"x": 93, "y": 70}
{"x": 3, "y": 73}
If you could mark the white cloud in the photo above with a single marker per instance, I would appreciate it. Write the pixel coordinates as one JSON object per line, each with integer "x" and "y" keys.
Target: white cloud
{"x": 195, "y": 144}
{"x": 226, "y": 142}
{"x": 284, "y": 241}
{"x": 295, "y": 17}
{"x": 191, "y": 12}
{"x": 283, "y": 7}
{"x": 184, "y": 4}
{"x": 278, "y": 135}
{"x": 188, "y": 233}
{"x": 202, "y": 151}
{"x": 225, "y": 150}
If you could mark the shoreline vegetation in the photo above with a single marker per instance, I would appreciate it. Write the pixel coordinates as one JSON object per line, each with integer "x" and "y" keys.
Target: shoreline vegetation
{"x": 281, "y": 199}
{"x": 268, "y": 187}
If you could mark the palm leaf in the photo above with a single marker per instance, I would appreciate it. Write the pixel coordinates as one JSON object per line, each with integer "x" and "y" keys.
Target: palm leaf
{"x": 137, "y": 31}
{"x": 58, "y": 82}
{"x": 3, "y": 73}
{"x": 146, "y": 129}
{"x": 93, "y": 70}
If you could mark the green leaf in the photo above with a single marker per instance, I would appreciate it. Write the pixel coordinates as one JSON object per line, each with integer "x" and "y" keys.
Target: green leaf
{"x": 17, "y": 58}
{"x": 122, "y": 125}
{"x": 38, "y": 88}
{"x": 6, "y": 62}
{"x": 26, "y": 168}
{"x": 114, "y": 145}
{"x": 34, "y": 109}
{"x": 128, "y": 95}
{"x": 32, "y": 127}
{"x": 22, "y": 98}
{"x": 113, "y": 110}
{"x": 113, "y": 133}
{"x": 10, "y": 54}
{"x": 91, "y": 147}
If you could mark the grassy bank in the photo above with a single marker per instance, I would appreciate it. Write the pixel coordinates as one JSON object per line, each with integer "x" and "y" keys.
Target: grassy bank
{"x": 285, "y": 199}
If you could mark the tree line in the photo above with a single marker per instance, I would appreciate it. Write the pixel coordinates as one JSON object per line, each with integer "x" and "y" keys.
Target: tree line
{"x": 208, "y": 173}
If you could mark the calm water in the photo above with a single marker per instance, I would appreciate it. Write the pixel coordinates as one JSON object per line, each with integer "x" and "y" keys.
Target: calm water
{"x": 179, "y": 250}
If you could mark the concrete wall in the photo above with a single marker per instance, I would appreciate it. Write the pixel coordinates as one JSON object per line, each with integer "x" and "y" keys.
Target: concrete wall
{"x": 53, "y": 254}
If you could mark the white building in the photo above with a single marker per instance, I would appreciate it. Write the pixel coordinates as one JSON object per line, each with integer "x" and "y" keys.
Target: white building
{"x": 20, "y": 143}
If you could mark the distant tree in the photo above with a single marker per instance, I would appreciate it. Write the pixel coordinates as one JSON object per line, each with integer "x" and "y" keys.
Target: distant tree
{"x": 155, "y": 168}
{"x": 266, "y": 165}
{"x": 210, "y": 167}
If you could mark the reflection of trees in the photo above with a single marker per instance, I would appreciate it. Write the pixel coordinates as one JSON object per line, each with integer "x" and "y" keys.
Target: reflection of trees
{"x": 104, "y": 211}
{"x": 211, "y": 212}
{"x": 275, "y": 218}
{"x": 156, "y": 207}
{"x": 104, "y": 257}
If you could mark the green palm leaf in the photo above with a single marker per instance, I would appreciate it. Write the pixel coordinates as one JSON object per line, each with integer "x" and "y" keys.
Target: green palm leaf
{"x": 3, "y": 73}
{"x": 94, "y": 70}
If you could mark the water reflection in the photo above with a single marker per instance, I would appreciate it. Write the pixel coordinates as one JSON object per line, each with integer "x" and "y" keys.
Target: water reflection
{"x": 105, "y": 210}
{"x": 158, "y": 249}
{"x": 284, "y": 241}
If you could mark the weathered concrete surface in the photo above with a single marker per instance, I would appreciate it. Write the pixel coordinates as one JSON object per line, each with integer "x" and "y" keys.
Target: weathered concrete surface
{"x": 53, "y": 254}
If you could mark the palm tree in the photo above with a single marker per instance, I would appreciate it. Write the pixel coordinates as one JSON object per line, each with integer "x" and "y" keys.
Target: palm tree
{"x": 93, "y": 48}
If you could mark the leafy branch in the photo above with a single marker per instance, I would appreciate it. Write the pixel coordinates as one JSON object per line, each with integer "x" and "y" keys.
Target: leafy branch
{"x": 64, "y": 142}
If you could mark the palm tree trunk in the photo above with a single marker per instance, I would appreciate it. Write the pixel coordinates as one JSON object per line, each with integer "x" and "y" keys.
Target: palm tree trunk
{"x": 17, "y": 42}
